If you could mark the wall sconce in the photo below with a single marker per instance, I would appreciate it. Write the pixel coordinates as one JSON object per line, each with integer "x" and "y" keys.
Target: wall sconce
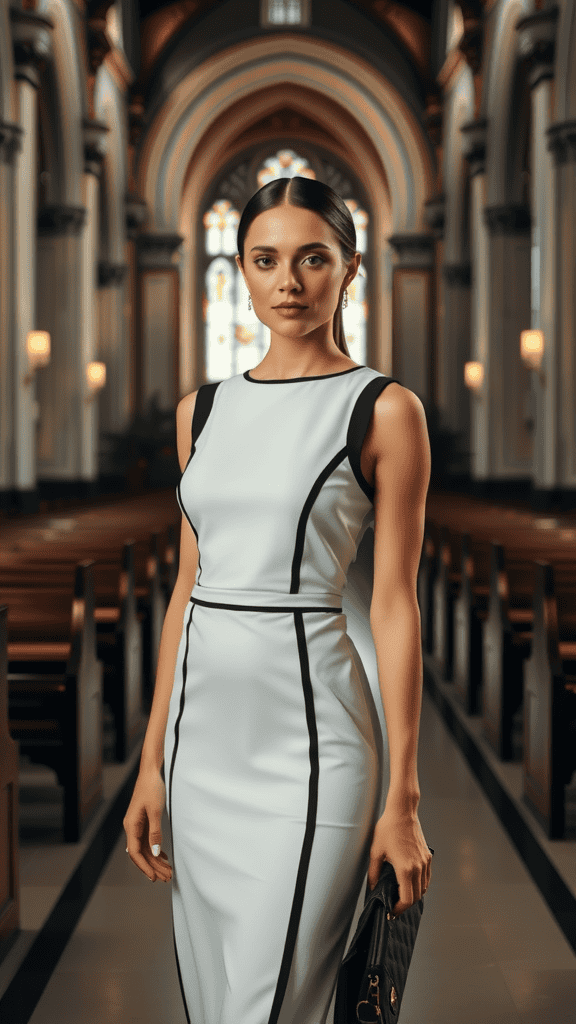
{"x": 474, "y": 377}
{"x": 532, "y": 350}
{"x": 38, "y": 350}
{"x": 96, "y": 377}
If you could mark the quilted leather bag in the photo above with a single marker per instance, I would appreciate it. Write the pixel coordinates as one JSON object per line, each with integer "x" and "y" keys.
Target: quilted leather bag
{"x": 373, "y": 973}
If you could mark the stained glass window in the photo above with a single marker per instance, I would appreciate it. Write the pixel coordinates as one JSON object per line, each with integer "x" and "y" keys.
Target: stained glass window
{"x": 285, "y": 12}
{"x": 235, "y": 340}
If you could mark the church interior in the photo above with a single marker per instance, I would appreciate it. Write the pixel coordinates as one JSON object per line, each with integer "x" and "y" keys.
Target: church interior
{"x": 131, "y": 137}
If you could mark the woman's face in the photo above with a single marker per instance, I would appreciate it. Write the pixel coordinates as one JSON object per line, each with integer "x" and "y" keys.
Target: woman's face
{"x": 292, "y": 255}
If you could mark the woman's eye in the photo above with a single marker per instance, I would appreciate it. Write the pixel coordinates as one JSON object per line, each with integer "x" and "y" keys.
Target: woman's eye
{"x": 312, "y": 257}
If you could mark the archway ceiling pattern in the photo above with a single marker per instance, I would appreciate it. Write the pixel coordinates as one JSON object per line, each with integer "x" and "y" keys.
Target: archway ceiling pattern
{"x": 159, "y": 28}
{"x": 261, "y": 64}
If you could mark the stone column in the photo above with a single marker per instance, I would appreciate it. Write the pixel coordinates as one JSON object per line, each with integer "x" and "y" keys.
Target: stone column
{"x": 94, "y": 147}
{"x": 413, "y": 312}
{"x": 61, "y": 385}
{"x": 507, "y": 380}
{"x": 475, "y": 152}
{"x": 114, "y": 399}
{"x": 31, "y": 33}
{"x": 159, "y": 305}
{"x": 455, "y": 346}
{"x": 10, "y": 145}
{"x": 562, "y": 142}
{"x": 537, "y": 34}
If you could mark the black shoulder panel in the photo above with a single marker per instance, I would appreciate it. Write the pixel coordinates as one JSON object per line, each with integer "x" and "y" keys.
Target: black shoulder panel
{"x": 359, "y": 420}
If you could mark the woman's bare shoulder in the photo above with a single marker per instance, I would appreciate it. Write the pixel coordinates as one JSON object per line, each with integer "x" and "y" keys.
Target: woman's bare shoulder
{"x": 399, "y": 420}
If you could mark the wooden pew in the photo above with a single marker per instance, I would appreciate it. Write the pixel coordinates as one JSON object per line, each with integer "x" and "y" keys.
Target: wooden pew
{"x": 550, "y": 703}
{"x": 444, "y": 592}
{"x": 119, "y": 631}
{"x": 55, "y": 691}
{"x": 9, "y": 806}
{"x": 151, "y": 606}
{"x": 507, "y": 638}
{"x": 470, "y": 611}
{"x": 119, "y": 645}
{"x": 426, "y": 575}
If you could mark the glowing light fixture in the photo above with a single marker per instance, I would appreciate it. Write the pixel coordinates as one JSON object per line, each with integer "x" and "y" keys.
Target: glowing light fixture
{"x": 38, "y": 350}
{"x": 532, "y": 348}
{"x": 474, "y": 376}
{"x": 96, "y": 377}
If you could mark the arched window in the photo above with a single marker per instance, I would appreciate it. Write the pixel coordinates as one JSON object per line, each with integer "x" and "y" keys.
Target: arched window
{"x": 284, "y": 12}
{"x": 234, "y": 339}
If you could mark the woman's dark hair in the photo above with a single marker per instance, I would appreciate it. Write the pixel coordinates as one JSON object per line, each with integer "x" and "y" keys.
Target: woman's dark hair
{"x": 310, "y": 195}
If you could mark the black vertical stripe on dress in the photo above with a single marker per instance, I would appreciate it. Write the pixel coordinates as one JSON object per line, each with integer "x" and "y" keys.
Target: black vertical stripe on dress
{"x": 303, "y": 520}
{"x": 306, "y": 851}
{"x": 170, "y": 774}
{"x": 358, "y": 425}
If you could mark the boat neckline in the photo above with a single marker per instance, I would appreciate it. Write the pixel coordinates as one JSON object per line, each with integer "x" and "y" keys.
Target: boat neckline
{"x": 291, "y": 380}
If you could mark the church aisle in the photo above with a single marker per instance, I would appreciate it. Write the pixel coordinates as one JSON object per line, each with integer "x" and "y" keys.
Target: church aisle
{"x": 488, "y": 951}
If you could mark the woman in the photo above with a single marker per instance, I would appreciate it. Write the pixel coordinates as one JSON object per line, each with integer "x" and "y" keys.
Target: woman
{"x": 262, "y": 711}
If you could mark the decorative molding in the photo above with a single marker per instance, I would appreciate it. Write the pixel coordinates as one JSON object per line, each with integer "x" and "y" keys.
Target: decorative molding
{"x": 136, "y": 212}
{"x": 413, "y": 250}
{"x": 60, "y": 219}
{"x": 434, "y": 214}
{"x": 11, "y": 136}
{"x": 562, "y": 142}
{"x": 111, "y": 273}
{"x": 474, "y": 144}
{"x": 509, "y": 219}
{"x": 457, "y": 275}
{"x": 94, "y": 135}
{"x": 536, "y": 42}
{"x": 157, "y": 250}
{"x": 32, "y": 42}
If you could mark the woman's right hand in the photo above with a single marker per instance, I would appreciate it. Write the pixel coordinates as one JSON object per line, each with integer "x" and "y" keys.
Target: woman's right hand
{"x": 142, "y": 826}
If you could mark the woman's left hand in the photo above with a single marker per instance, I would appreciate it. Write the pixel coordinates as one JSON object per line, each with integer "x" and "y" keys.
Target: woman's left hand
{"x": 398, "y": 838}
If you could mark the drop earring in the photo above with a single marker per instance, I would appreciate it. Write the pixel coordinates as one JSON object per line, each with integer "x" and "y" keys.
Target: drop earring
{"x": 345, "y": 299}
{"x": 249, "y": 301}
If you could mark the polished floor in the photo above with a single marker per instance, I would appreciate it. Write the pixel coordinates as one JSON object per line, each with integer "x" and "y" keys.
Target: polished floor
{"x": 488, "y": 952}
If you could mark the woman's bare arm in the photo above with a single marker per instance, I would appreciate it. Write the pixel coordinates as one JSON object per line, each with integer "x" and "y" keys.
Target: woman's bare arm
{"x": 153, "y": 747}
{"x": 400, "y": 443}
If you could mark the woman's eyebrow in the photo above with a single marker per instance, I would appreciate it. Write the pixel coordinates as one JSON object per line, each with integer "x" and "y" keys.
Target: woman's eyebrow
{"x": 301, "y": 248}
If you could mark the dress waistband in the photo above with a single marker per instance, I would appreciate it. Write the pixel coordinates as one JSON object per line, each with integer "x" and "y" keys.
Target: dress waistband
{"x": 266, "y": 600}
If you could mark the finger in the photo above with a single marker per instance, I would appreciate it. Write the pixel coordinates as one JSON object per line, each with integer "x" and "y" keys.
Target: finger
{"x": 406, "y": 895}
{"x": 424, "y": 880}
{"x": 152, "y": 867}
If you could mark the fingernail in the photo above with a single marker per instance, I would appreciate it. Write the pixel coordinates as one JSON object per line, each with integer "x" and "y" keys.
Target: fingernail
{"x": 156, "y": 849}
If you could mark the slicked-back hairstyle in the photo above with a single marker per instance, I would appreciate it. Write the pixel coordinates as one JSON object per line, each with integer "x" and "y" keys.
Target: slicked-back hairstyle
{"x": 313, "y": 195}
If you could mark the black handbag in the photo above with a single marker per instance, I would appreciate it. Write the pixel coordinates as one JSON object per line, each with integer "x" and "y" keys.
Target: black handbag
{"x": 373, "y": 973}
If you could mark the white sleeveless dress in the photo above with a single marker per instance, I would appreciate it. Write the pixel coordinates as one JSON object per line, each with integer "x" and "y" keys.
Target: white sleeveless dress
{"x": 273, "y": 748}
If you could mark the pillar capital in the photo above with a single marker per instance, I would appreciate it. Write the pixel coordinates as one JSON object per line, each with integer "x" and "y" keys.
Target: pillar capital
{"x": 414, "y": 250}
{"x": 60, "y": 219}
{"x": 434, "y": 214}
{"x": 10, "y": 141}
{"x": 562, "y": 141}
{"x": 475, "y": 133}
{"x": 536, "y": 42}
{"x": 157, "y": 250}
{"x": 136, "y": 212}
{"x": 32, "y": 41}
{"x": 111, "y": 274}
{"x": 94, "y": 136}
{"x": 508, "y": 219}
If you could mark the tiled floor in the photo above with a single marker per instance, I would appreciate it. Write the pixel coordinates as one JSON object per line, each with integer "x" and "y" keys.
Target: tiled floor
{"x": 488, "y": 950}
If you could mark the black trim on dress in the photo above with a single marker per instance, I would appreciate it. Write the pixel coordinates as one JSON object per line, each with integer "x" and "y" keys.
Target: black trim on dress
{"x": 303, "y": 520}
{"x": 260, "y": 607}
{"x": 293, "y": 380}
{"x": 169, "y": 808}
{"x": 358, "y": 425}
{"x": 202, "y": 409}
{"x": 306, "y": 851}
